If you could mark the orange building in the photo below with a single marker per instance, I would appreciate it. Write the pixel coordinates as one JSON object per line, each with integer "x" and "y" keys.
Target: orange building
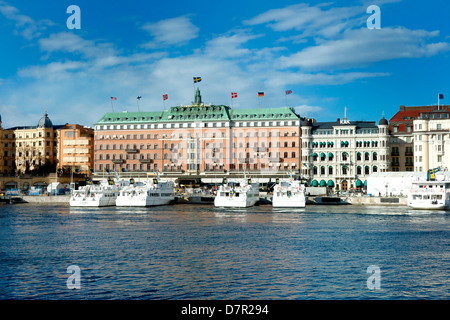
{"x": 199, "y": 139}
{"x": 76, "y": 148}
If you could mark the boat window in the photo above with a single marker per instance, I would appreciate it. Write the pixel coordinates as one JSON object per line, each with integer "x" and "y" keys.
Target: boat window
{"x": 426, "y": 197}
{"x": 237, "y": 194}
{"x": 417, "y": 197}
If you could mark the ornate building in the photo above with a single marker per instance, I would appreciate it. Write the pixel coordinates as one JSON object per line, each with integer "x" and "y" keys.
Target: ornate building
{"x": 30, "y": 148}
{"x": 342, "y": 154}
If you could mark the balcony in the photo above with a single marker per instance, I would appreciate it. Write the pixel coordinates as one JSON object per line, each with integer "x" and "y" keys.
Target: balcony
{"x": 260, "y": 149}
{"x": 395, "y": 153}
{"x": 131, "y": 150}
{"x": 395, "y": 164}
{"x": 146, "y": 160}
{"x": 118, "y": 161}
{"x": 409, "y": 164}
{"x": 409, "y": 153}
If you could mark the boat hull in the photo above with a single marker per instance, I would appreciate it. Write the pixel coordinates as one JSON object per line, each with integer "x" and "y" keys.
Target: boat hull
{"x": 234, "y": 202}
{"x": 288, "y": 203}
{"x": 92, "y": 203}
{"x": 143, "y": 202}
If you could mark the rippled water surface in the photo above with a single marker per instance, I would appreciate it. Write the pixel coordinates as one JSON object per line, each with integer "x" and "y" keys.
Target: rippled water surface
{"x": 203, "y": 252}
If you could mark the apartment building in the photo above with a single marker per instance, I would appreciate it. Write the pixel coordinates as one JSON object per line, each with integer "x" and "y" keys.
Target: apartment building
{"x": 76, "y": 149}
{"x": 431, "y": 138}
{"x": 402, "y": 142}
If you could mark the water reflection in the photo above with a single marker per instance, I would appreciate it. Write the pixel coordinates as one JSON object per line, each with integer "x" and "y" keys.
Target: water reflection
{"x": 203, "y": 252}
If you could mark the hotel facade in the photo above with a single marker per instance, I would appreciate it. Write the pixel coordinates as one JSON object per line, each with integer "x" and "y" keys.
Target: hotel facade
{"x": 199, "y": 139}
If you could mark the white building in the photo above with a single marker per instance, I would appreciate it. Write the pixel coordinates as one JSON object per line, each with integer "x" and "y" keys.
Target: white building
{"x": 432, "y": 140}
{"x": 342, "y": 154}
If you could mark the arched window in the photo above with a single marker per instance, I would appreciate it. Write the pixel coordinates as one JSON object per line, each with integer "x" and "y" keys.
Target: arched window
{"x": 322, "y": 170}
{"x": 358, "y": 170}
{"x": 330, "y": 170}
{"x": 344, "y": 156}
{"x": 344, "y": 170}
{"x": 366, "y": 170}
{"x": 374, "y": 156}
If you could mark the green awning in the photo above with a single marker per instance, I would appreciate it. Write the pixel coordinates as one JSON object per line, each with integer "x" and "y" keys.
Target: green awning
{"x": 330, "y": 183}
{"x": 330, "y": 155}
{"x": 359, "y": 183}
{"x": 314, "y": 154}
{"x": 315, "y": 183}
{"x": 365, "y": 183}
{"x": 323, "y": 183}
{"x": 322, "y": 155}
{"x": 346, "y": 143}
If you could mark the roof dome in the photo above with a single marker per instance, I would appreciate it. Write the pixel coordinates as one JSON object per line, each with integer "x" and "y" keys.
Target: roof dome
{"x": 45, "y": 122}
{"x": 306, "y": 123}
{"x": 383, "y": 121}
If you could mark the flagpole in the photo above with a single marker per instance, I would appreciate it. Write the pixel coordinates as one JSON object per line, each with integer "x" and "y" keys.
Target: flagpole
{"x": 112, "y": 106}
{"x": 137, "y": 101}
{"x": 438, "y": 100}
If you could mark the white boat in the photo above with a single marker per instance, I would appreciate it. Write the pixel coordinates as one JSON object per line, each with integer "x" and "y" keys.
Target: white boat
{"x": 150, "y": 193}
{"x": 430, "y": 194}
{"x": 237, "y": 193}
{"x": 289, "y": 193}
{"x": 97, "y": 195}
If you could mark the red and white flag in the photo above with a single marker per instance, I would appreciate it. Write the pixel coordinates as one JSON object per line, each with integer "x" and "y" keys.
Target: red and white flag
{"x": 165, "y": 96}
{"x": 233, "y": 95}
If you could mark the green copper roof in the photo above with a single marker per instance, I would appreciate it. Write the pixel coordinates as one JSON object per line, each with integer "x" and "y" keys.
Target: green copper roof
{"x": 130, "y": 117}
{"x": 200, "y": 112}
{"x": 283, "y": 113}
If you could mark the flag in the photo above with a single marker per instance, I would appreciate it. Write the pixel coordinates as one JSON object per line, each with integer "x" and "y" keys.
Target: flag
{"x": 197, "y": 79}
{"x": 260, "y": 94}
{"x": 138, "y": 97}
{"x": 288, "y": 91}
{"x": 92, "y": 170}
{"x": 165, "y": 96}
{"x": 441, "y": 96}
{"x": 233, "y": 95}
{"x": 113, "y": 98}
{"x": 122, "y": 170}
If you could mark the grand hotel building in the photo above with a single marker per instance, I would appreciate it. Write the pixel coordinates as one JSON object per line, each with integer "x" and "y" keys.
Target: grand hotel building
{"x": 214, "y": 140}
{"x": 199, "y": 139}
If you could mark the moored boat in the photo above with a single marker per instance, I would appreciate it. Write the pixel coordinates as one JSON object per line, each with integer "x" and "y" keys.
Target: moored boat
{"x": 151, "y": 193}
{"x": 237, "y": 193}
{"x": 289, "y": 193}
{"x": 97, "y": 195}
{"x": 430, "y": 194}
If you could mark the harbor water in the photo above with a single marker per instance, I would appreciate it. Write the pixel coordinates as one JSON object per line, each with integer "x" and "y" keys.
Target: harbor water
{"x": 188, "y": 251}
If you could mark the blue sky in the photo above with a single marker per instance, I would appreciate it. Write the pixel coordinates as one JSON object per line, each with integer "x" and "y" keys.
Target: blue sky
{"x": 322, "y": 51}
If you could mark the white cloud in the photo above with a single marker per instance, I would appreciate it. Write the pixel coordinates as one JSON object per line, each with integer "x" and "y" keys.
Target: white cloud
{"x": 25, "y": 25}
{"x": 173, "y": 31}
{"x": 310, "y": 20}
{"x": 361, "y": 47}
